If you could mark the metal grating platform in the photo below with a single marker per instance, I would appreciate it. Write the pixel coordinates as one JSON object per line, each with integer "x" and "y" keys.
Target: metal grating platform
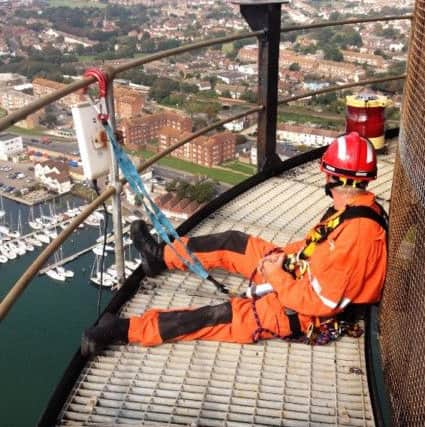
{"x": 271, "y": 383}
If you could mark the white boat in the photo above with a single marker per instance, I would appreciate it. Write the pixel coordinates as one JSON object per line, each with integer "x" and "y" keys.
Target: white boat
{"x": 53, "y": 273}
{"x": 52, "y": 233}
{"x": 33, "y": 241}
{"x": 4, "y": 230}
{"x": 28, "y": 245}
{"x": 3, "y": 259}
{"x": 132, "y": 265}
{"x": 95, "y": 275}
{"x": 106, "y": 283}
{"x": 58, "y": 258}
{"x": 65, "y": 272}
{"x": 112, "y": 270}
{"x": 98, "y": 249}
{"x": 21, "y": 247}
{"x": 8, "y": 251}
{"x": 35, "y": 225}
{"x": 93, "y": 220}
{"x": 18, "y": 249}
{"x": 14, "y": 234}
{"x": 43, "y": 238}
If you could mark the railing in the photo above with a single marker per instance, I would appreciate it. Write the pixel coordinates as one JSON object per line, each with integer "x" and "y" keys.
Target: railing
{"x": 266, "y": 19}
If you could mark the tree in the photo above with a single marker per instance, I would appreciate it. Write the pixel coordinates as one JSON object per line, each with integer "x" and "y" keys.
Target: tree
{"x": 294, "y": 67}
{"x": 333, "y": 54}
{"x": 203, "y": 191}
{"x": 182, "y": 189}
{"x": 50, "y": 120}
{"x": 249, "y": 96}
{"x": 162, "y": 88}
{"x": 172, "y": 185}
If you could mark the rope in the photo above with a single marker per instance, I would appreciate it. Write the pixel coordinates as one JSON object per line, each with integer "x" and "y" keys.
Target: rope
{"x": 159, "y": 221}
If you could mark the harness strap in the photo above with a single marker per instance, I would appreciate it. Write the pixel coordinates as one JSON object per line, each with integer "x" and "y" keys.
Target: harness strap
{"x": 364, "y": 212}
{"x": 296, "y": 264}
{"x": 294, "y": 323}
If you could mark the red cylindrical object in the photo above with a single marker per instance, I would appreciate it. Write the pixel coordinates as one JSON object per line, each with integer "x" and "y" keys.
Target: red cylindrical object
{"x": 365, "y": 114}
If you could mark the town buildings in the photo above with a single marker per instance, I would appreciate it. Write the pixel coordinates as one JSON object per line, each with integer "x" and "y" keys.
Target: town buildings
{"x": 128, "y": 102}
{"x": 313, "y": 64}
{"x": 42, "y": 87}
{"x": 204, "y": 150}
{"x": 305, "y": 135}
{"x": 10, "y": 146}
{"x": 11, "y": 100}
{"x": 54, "y": 175}
{"x": 167, "y": 127}
{"x": 139, "y": 131}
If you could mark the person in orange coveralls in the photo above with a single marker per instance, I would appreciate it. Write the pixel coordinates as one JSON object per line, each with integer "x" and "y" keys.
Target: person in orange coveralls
{"x": 342, "y": 261}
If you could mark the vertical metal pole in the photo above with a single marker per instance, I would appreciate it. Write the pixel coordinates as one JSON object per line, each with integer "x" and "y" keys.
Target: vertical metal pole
{"x": 116, "y": 198}
{"x": 265, "y": 15}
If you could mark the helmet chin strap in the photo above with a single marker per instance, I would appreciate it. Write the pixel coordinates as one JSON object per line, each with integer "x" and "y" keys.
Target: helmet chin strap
{"x": 336, "y": 182}
{"x": 329, "y": 186}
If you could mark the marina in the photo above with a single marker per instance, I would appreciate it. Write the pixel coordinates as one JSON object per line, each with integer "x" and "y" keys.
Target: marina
{"x": 48, "y": 305}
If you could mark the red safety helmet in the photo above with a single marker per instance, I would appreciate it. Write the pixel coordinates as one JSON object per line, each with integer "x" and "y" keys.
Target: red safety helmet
{"x": 350, "y": 156}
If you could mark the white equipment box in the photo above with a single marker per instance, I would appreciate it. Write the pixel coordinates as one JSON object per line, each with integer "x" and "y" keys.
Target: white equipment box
{"x": 92, "y": 140}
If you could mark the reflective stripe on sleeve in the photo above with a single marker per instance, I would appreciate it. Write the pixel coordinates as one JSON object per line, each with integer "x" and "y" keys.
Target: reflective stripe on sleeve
{"x": 344, "y": 302}
{"x": 318, "y": 289}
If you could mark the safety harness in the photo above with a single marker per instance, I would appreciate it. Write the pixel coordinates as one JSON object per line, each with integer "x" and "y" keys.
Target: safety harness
{"x": 296, "y": 263}
{"x": 329, "y": 329}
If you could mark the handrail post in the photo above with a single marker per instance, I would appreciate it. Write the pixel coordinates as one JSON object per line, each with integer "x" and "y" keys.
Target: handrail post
{"x": 266, "y": 15}
{"x": 116, "y": 198}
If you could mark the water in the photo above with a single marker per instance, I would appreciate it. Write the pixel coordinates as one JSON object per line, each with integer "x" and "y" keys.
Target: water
{"x": 42, "y": 331}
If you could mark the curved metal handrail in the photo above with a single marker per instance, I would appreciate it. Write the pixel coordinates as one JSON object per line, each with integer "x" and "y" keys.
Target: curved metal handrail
{"x": 344, "y": 22}
{"x": 29, "y": 274}
{"x": 340, "y": 87}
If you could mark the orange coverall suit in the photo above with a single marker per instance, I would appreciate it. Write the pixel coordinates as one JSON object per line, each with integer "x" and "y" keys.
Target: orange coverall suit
{"x": 349, "y": 266}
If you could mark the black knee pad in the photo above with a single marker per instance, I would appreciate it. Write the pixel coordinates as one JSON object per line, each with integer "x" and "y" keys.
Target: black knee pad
{"x": 234, "y": 241}
{"x": 175, "y": 323}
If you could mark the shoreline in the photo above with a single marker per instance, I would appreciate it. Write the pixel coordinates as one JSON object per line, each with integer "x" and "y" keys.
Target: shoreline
{"x": 32, "y": 202}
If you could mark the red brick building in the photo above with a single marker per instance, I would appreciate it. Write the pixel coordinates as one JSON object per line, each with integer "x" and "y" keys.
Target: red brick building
{"x": 138, "y": 131}
{"x": 204, "y": 150}
{"x": 42, "y": 87}
{"x": 128, "y": 102}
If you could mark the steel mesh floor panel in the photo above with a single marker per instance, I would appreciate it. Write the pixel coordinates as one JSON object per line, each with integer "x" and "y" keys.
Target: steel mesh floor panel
{"x": 271, "y": 383}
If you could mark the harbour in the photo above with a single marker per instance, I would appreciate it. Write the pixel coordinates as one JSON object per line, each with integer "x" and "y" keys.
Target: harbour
{"x": 41, "y": 333}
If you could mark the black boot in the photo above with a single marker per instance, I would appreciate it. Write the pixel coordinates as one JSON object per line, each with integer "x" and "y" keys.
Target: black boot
{"x": 152, "y": 253}
{"x": 111, "y": 329}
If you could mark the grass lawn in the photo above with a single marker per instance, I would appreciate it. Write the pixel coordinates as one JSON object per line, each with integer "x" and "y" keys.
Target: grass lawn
{"x": 300, "y": 115}
{"x": 240, "y": 167}
{"x": 26, "y": 132}
{"x": 85, "y": 58}
{"x": 220, "y": 175}
{"x": 75, "y": 3}
{"x": 21, "y": 131}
